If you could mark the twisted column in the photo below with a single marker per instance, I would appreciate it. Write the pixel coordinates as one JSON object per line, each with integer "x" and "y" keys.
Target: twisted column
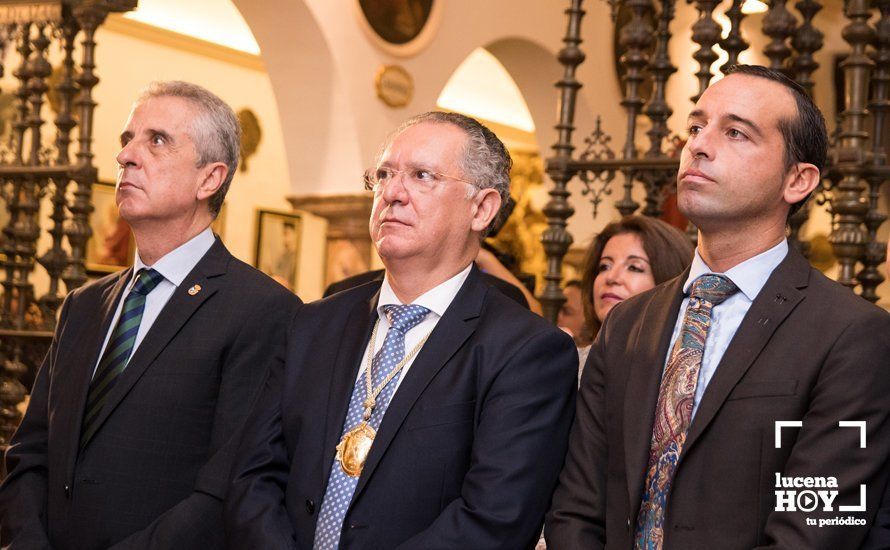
{"x": 89, "y": 18}
{"x": 779, "y": 24}
{"x": 848, "y": 206}
{"x": 870, "y": 277}
{"x": 556, "y": 239}
{"x": 734, "y": 43}
{"x": 705, "y": 33}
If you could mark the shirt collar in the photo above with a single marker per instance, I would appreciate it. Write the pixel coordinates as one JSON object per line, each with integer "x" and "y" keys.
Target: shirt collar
{"x": 749, "y": 276}
{"x": 437, "y": 299}
{"x": 178, "y": 263}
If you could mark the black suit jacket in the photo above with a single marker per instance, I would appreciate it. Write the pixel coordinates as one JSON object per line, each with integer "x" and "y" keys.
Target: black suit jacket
{"x": 156, "y": 470}
{"x": 509, "y": 290}
{"x": 879, "y": 535}
{"x": 467, "y": 454}
{"x": 808, "y": 350}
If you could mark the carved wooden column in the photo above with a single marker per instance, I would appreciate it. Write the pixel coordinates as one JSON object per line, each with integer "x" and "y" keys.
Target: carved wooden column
{"x": 705, "y": 33}
{"x": 851, "y": 155}
{"x": 56, "y": 260}
{"x": 807, "y": 40}
{"x": 32, "y": 164}
{"x": 636, "y": 37}
{"x": 658, "y": 111}
{"x": 870, "y": 277}
{"x": 556, "y": 239}
{"x": 734, "y": 43}
{"x": 88, "y": 18}
{"x": 779, "y": 24}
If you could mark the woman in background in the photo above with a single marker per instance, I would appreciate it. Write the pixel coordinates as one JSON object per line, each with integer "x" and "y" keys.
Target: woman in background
{"x": 628, "y": 257}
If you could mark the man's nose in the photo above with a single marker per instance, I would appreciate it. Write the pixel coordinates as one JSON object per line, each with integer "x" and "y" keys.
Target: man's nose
{"x": 394, "y": 190}
{"x": 128, "y": 156}
{"x": 700, "y": 146}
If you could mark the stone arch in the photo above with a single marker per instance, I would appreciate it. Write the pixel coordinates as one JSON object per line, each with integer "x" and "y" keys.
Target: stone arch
{"x": 317, "y": 122}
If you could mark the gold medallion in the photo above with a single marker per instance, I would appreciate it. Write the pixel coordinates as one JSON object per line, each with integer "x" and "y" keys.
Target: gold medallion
{"x": 353, "y": 449}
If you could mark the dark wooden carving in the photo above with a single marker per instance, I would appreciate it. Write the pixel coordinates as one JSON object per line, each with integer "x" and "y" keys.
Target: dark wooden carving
{"x": 36, "y": 163}
{"x": 779, "y": 24}
{"x": 556, "y": 239}
{"x": 705, "y": 33}
{"x": 851, "y": 155}
{"x": 870, "y": 277}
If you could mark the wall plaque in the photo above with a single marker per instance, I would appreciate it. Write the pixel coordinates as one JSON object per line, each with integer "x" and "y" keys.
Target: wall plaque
{"x": 394, "y": 85}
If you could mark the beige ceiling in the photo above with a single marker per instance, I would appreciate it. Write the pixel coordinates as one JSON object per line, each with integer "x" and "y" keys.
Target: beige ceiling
{"x": 217, "y": 21}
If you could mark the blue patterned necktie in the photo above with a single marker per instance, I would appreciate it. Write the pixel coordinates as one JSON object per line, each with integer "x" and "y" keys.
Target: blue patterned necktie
{"x": 341, "y": 486}
{"x": 118, "y": 350}
{"x": 673, "y": 412}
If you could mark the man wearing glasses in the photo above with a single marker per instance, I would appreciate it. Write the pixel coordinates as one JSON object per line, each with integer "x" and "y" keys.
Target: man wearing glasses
{"x": 424, "y": 411}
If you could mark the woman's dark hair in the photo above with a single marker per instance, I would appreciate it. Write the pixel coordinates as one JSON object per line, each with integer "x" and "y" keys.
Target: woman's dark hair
{"x": 668, "y": 249}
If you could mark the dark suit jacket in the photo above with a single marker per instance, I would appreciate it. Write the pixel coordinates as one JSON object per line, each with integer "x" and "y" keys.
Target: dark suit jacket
{"x": 509, "y": 290}
{"x": 879, "y": 535}
{"x": 156, "y": 470}
{"x": 468, "y": 452}
{"x": 808, "y": 349}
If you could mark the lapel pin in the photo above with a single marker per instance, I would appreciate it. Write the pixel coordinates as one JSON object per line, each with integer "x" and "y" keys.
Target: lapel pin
{"x": 194, "y": 290}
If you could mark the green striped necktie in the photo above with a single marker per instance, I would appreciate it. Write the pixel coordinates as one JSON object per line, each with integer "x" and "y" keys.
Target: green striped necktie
{"x": 118, "y": 350}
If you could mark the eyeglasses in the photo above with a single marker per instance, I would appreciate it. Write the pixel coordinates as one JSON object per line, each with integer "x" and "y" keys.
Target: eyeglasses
{"x": 416, "y": 179}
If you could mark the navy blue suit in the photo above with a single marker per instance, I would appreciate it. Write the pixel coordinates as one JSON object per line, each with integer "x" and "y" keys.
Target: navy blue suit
{"x": 467, "y": 454}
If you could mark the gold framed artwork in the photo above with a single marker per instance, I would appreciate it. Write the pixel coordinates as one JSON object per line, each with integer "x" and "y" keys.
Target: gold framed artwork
{"x": 112, "y": 246}
{"x": 397, "y": 21}
{"x": 278, "y": 246}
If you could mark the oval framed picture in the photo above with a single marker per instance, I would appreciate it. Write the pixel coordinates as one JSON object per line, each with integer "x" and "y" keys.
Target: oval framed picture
{"x": 400, "y": 27}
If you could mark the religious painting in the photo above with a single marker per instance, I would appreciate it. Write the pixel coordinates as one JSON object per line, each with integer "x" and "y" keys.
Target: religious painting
{"x": 397, "y": 21}
{"x": 278, "y": 246}
{"x": 112, "y": 246}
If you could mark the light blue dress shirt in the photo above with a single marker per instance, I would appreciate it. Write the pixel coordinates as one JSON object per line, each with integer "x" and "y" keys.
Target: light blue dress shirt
{"x": 174, "y": 266}
{"x": 749, "y": 276}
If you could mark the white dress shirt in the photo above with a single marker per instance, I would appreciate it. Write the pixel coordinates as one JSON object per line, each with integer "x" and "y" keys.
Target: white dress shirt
{"x": 436, "y": 300}
{"x": 174, "y": 266}
{"x": 749, "y": 276}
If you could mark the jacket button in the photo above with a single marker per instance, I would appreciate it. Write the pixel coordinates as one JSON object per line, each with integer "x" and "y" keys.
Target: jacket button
{"x": 67, "y": 491}
{"x": 310, "y": 506}
{"x": 628, "y": 524}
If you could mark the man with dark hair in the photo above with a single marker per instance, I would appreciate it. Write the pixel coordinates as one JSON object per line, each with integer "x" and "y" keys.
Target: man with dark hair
{"x": 744, "y": 403}
{"x": 133, "y": 419}
{"x": 426, "y": 410}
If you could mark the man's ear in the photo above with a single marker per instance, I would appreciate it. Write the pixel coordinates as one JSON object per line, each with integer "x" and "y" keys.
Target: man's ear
{"x": 214, "y": 174}
{"x": 800, "y": 181}
{"x": 486, "y": 204}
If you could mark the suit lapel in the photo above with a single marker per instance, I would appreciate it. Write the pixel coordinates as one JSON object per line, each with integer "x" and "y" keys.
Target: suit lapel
{"x": 452, "y": 330}
{"x": 776, "y": 300}
{"x": 85, "y": 357}
{"x": 652, "y": 339}
{"x": 344, "y": 374}
{"x": 176, "y": 312}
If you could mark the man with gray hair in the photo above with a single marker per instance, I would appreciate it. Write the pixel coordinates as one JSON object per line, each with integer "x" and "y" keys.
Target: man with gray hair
{"x": 426, "y": 410}
{"x": 129, "y": 434}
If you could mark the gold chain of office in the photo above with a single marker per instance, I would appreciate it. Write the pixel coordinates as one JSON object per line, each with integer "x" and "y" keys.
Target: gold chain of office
{"x": 353, "y": 449}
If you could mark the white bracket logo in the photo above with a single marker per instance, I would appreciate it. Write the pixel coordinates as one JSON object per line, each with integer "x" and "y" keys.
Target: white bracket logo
{"x": 841, "y": 424}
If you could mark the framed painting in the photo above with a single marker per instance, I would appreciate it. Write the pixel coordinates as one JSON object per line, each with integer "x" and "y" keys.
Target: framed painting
{"x": 397, "y": 21}
{"x": 278, "y": 246}
{"x": 112, "y": 247}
